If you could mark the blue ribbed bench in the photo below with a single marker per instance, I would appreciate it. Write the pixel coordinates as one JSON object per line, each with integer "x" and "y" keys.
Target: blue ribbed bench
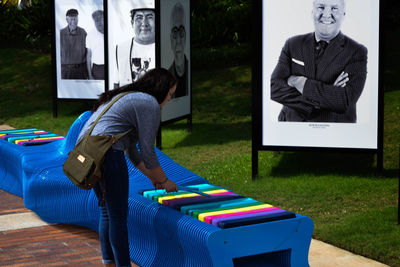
{"x": 158, "y": 235}
{"x": 29, "y": 137}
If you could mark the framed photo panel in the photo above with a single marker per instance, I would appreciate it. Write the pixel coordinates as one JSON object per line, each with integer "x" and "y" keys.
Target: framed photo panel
{"x": 78, "y": 51}
{"x": 175, "y": 55}
{"x": 316, "y": 75}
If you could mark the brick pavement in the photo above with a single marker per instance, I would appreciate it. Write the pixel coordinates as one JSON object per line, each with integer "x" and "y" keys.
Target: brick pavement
{"x": 10, "y": 204}
{"x": 53, "y": 245}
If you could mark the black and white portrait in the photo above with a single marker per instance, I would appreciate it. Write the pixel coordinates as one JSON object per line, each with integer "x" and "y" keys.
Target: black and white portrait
{"x": 320, "y": 72}
{"x": 95, "y": 47}
{"x": 175, "y": 54}
{"x": 179, "y": 67}
{"x": 73, "y": 48}
{"x": 79, "y": 39}
{"x": 132, "y": 40}
{"x": 320, "y": 75}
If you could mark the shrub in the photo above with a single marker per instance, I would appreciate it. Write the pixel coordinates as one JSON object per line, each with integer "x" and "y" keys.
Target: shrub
{"x": 26, "y": 27}
{"x": 216, "y": 22}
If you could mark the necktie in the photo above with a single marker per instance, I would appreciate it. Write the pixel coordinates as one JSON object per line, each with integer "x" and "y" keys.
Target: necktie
{"x": 320, "y": 48}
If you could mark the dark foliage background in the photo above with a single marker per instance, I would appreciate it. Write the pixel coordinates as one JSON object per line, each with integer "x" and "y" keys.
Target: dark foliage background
{"x": 214, "y": 22}
{"x": 29, "y": 27}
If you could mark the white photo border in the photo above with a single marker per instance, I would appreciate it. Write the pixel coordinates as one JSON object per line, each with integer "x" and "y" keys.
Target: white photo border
{"x": 181, "y": 106}
{"x": 71, "y": 88}
{"x": 297, "y": 16}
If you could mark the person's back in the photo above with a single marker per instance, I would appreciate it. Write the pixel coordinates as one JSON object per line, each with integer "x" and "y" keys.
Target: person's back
{"x": 134, "y": 110}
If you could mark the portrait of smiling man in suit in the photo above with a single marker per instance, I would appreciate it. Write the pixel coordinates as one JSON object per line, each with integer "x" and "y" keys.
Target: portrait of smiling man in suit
{"x": 320, "y": 76}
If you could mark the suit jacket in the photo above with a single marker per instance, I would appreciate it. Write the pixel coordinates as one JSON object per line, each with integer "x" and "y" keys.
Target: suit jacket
{"x": 320, "y": 101}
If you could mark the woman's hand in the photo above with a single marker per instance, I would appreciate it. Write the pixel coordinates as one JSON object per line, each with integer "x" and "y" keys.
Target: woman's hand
{"x": 168, "y": 185}
{"x": 158, "y": 178}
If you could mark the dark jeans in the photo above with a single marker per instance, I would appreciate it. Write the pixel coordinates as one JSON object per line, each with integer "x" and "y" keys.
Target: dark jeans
{"x": 113, "y": 219}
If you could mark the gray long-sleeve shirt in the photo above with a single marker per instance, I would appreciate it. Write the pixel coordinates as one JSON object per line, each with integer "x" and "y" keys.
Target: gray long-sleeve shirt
{"x": 138, "y": 110}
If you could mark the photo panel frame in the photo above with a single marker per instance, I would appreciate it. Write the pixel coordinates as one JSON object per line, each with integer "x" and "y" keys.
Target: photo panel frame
{"x": 285, "y": 118}
{"x": 175, "y": 55}
{"x": 363, "y": 133}
{"x": 78, "y": 49}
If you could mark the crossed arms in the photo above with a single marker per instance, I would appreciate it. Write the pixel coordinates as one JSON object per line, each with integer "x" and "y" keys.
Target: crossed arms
{"x": 335, "y": 90}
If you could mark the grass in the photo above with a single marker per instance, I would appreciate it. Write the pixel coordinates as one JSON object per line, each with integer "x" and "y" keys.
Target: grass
{"x": 351, "y": 207}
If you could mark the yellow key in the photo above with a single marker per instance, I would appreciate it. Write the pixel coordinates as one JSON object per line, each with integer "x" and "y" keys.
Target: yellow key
{"x": 203, "y": 215}
{"x": 161, "y": 199}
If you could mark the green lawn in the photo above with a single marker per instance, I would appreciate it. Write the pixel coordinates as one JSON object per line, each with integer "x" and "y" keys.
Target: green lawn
{"x": 351, "y": 207}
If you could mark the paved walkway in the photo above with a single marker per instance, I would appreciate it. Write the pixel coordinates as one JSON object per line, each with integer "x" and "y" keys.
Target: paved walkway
{"x": 25, "y": 240}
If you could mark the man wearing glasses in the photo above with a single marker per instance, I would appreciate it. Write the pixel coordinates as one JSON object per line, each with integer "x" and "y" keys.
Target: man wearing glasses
{"x": 137, "y": 56}
{"x": 179, "y": 67}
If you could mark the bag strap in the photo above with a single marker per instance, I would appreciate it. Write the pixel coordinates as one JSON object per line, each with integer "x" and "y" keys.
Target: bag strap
{"x": 118, "y": 136}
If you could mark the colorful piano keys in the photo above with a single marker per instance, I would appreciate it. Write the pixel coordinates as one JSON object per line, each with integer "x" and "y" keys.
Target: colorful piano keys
{"x": 218, "y": 206}
{"x": 29, "y": 137}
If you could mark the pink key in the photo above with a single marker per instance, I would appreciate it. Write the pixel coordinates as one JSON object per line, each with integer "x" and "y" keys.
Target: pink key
{"x": 209, "y": 219}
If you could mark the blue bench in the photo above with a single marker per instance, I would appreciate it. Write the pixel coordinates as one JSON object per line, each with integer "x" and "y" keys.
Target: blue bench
{"x": 158, "y": 235}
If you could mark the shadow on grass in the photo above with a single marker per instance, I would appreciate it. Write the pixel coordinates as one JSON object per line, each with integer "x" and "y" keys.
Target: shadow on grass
{"x": 321, "y": 163}
{"x": 213, "y": 133}
{"x": 34, "y": 105}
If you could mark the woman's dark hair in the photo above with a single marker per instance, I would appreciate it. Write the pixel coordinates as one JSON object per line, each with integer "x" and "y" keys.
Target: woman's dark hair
{"x": 156, "y": 82}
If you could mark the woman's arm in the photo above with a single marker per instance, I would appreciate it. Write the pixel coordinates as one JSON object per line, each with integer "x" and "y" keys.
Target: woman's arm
{"x": 158, "y": 178}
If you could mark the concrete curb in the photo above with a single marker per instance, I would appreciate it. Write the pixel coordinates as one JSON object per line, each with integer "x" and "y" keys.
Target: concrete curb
{"x": 20, "y": 221}
{"x": 5, "y": 127}
{"x": 322, "y": 254}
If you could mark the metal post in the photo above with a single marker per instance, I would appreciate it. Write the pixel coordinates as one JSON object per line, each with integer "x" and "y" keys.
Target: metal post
{"x": 254, "y": 163}
{"x": 55, "y": 108}
{"x": 189, "y": 124}
{"x": 398, "y": 201}
{"x": 379, "y": 162}
{"x": 158, "y": 139}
